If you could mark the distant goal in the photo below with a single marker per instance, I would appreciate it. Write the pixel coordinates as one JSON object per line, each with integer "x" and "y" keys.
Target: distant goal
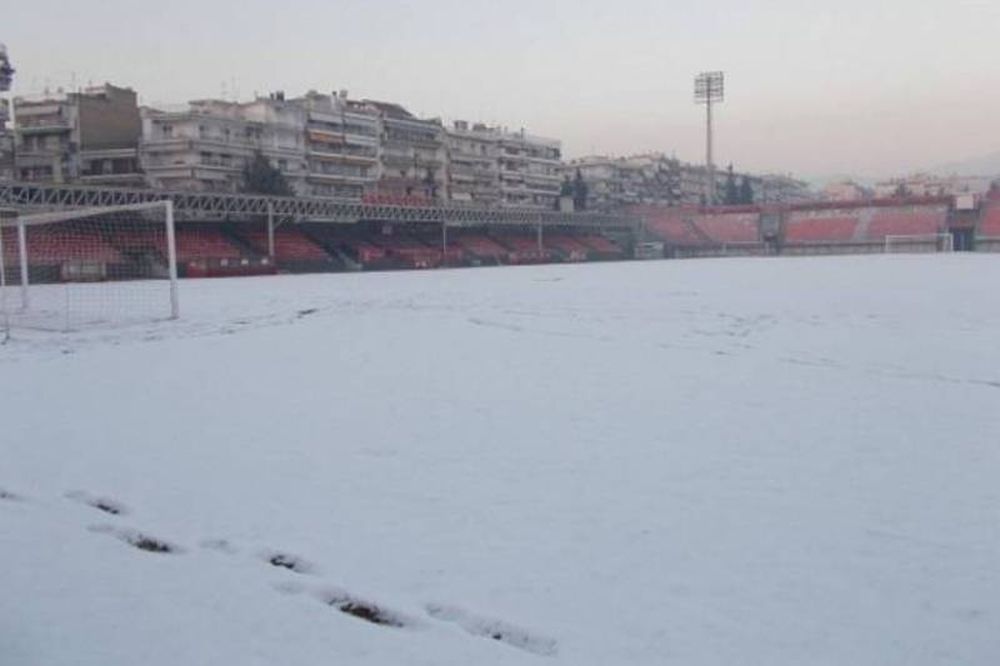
{"x": 88, "y": 267}
{"x": 919, "y": 243}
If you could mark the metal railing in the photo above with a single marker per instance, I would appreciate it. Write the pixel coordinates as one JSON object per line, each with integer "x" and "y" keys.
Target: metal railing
{"x": 205, "y": 205}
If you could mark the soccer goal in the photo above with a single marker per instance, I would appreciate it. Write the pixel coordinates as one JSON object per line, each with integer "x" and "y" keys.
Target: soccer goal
{"x": 73, "y": 269}
{"x": 919, "y": 243}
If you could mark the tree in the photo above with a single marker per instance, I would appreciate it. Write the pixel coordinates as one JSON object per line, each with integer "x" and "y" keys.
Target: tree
{"x": 746, "y": 192}
{"x": 580, "y": 190}
{"x": 732, "y": 196}
{"x": 430, "y": 185}
{"x": 902, "y": 191}
{"x": 261, "y": 177}
{"x": 565, "y": 190}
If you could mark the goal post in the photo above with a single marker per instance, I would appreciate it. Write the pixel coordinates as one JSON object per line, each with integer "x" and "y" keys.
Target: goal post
{"x": 918, "y": 243}
{"x": 74, "y": 268}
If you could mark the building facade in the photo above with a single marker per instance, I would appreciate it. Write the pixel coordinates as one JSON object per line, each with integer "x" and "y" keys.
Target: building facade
{"x": 206, "y": 147}
{"x": 530, "y": 170}
{"x": 6, "y": 143}
{"x": 846, "y": 190}
{"x": 473, "y": 164}
{"x": 341, "y": 145}
{"x": 614, "y": 183}
{"x": 413, "y": 156}
{"x": 91, "y": 136}
{"x": 930, "y": 185}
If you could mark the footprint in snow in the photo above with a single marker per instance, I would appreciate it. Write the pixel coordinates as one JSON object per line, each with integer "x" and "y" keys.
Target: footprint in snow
{"x": 494, "y": 629}
{"x": 362, "y": 609}
{"x": 293, "y": 563}
{"x": 140, "y": 540}
{"x": 105, "y": 504}
{"x": 219, "y": 545}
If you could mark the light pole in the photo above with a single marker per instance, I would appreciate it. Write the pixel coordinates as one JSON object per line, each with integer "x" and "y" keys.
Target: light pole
{"x": 709, "y": 89}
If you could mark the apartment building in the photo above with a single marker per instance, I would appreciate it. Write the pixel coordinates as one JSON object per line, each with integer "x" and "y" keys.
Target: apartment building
{"x": 91, "y": 136}
{"x": 473, "y": 163}
{"x": 845, "y": 190}
{"x": 413, "y": 157}
{"x": 206, "y": 146}
{"x": 613, "y": 182}
{"x": 342, "y": 140}
{"x": 781, "y": 188}
{"x": 932, "y": 185}
{"x": 654, "y": 178}
{"x": 530, "y": 170}
{"x": 617, "y": 182}
{"x": 6, "y": 143}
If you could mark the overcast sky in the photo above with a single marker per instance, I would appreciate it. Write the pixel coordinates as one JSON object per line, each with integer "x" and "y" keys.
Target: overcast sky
{"x": 872, "y": 87}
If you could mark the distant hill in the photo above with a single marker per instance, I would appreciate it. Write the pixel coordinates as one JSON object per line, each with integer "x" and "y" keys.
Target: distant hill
{"x": 983, "y": 165}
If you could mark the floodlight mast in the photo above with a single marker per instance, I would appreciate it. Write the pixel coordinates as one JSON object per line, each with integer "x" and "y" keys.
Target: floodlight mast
{"x": 709, "y": 89}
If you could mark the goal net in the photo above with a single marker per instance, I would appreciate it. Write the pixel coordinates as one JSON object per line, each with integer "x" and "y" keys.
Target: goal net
{"x": 918, "y": 243}
{"x": 74, "y": 269}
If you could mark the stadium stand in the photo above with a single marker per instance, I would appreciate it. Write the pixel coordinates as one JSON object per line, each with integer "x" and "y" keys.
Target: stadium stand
{"x": 732, "y": 227}
{"x": 989, "y": 225}
{"x": 294, "y": 251}
{"x": 204, "y": 250}
{"x": 902, "y": 221}
{"x": 408, "y": 252}
{"x": 566, "y": 245}
{"x": 705, "y": 232}
{"x": 289, "y": 244}
{"x": 601, "y": 247}
{"x": 481, "y": 247}
{"x": 673, "y": 226}
{"x": 988, "y": 230}
{"x": 523, "y": 248}
{"x": 57, "y": 244}
{"x": 833, "y": 226}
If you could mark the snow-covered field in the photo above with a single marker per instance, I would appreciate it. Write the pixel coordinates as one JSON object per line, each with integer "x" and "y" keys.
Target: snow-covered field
{"x": 763, "y": 461}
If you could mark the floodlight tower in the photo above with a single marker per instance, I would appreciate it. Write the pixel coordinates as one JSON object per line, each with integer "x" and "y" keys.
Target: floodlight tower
{"x": 709, "y": 89}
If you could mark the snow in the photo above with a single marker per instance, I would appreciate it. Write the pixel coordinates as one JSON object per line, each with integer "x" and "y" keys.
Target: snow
{"x": 733, "y": 461}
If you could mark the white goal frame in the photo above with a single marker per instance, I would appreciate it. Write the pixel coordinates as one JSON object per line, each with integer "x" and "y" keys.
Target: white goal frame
{"x": 942, "y": 242}
{"x": 21, "y": 223}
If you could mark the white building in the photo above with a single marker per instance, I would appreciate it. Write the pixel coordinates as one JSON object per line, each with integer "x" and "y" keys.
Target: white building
{"x": 342, "y": 140}
{"x": 530, "y": 170}
{"x": 413, "y": 155}
{"x": 6, "y": 144}
{"x": 473, "y": 163}
{"x": 846, "y": 190}
{"x": 207, "y": 146}
{"x": 929, "y": 185}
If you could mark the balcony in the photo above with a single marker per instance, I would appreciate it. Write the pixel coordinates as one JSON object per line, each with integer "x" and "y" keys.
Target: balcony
{"x": 319, "y": 176}
{"x": 342, "y": 154}
{"x": 42, "y": 126}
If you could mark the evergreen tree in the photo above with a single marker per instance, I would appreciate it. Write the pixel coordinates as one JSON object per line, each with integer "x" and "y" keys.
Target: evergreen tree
{"x": 580, "y": 191}
{"x": 732, "y": 196}
{"x": 746, "y": 192}
{"x": 565, "y": 190}
{"x": 261, "y": 177}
